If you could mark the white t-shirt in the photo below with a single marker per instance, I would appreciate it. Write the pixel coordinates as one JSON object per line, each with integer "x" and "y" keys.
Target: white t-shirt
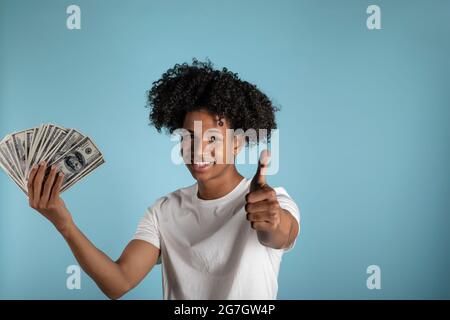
{"x": 208, "y": 248}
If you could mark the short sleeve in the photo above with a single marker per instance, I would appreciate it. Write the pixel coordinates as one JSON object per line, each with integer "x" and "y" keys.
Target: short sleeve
{"x": 148, "y": 227}
{"x": 287, "y": 203}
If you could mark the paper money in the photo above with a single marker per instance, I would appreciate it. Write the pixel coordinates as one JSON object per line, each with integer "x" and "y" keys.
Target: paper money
{"x": 73, "y": 153}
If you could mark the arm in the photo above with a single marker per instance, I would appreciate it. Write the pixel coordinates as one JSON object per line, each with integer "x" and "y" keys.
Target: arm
{"x": 114, "y": 278}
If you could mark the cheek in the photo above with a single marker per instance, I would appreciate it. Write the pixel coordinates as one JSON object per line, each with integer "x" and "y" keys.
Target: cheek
{"x": 221, "y": 155}
{"x": 185, "y": 147}
{"x": 227, "y": 155}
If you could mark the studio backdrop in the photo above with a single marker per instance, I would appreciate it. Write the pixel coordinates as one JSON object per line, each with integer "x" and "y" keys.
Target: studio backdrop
{"x": 364, "y": 91}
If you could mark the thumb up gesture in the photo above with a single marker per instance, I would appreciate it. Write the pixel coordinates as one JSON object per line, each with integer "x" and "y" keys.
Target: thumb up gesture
{"x": 262, "y": 207}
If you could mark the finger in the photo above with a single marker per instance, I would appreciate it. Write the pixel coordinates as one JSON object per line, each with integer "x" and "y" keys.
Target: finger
{"x": 259, "y": 180}
{"x": 266, "y": 193}
{"x": 30, "y": 182}
{"x": 261, "y": 226}
{"x": 270, "y": 207}
{"x": 260, "y": 217}
{"x": 57, "y": 187}
{"x": 37, "y": 184}
{"x": 48, "y": 185}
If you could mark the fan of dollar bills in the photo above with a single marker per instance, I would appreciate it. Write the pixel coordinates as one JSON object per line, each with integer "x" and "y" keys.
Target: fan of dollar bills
{"x": 70, "y": 151}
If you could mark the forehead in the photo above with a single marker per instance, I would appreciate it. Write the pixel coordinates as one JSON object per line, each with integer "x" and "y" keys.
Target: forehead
{"x": 207, "y": 119}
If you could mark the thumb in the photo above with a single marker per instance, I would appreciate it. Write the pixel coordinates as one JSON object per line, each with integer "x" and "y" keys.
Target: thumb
{"x": 259, "y": 180}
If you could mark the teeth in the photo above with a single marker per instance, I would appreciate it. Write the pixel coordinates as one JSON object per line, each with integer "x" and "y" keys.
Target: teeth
{"x": 202, "y": 163}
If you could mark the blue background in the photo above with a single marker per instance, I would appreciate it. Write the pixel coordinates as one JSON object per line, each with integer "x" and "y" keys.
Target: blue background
{"x": 364, "y": 132}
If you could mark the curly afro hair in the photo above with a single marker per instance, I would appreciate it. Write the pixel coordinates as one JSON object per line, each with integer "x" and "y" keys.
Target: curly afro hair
{"x": 186, "y": 88}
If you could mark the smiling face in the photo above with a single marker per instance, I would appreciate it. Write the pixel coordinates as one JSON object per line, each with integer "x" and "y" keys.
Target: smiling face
{"x": 206, "y": 152}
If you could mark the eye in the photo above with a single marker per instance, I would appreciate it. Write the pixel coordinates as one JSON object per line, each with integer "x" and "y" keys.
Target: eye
{"x": 212, "y": 139}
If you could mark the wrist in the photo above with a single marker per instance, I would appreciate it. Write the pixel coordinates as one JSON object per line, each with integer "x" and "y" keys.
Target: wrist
{"x": 284, "y": 228}
{"x": 65, "y": 228}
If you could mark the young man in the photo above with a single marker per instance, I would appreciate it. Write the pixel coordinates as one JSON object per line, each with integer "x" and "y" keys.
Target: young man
{"x": 221, "y": 238}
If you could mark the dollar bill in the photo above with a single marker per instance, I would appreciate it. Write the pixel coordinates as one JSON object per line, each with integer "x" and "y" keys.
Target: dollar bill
{"x": 88, "y": 170}
{"x": 18, "y": 140}
{"x": 8, "y": 159}
{"x": 77, "y": 159}
{"x": 73, "y": 153}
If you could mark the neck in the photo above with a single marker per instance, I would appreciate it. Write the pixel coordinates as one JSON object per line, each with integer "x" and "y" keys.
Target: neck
{"x": 219, "y": 186}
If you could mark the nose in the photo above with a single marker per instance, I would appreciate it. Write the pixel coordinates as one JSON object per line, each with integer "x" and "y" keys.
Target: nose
{"x": 202, "y": 151}
{"x": 197, "y": 151}
{"x": 193, "y": 150}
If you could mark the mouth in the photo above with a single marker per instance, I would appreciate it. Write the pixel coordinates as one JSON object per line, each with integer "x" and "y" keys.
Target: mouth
{"x": 202, "y": 166}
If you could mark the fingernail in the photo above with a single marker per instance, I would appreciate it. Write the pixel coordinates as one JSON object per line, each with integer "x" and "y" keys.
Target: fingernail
{"x": 35, "y": 166}
{"x": 53, "y": 167}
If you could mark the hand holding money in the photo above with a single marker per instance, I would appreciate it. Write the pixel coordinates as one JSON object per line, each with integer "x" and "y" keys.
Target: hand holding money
{"x": 44, "y": 195}
{"x": 46, "y": 161}
{"x": 68, "y": 150}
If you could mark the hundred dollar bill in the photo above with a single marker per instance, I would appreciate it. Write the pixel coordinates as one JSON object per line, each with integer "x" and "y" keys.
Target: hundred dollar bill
{"x": 55, "y": 136}
{"x": 88, "y": 170}
{"x": 72, "y": 152}
{"x": 19, "y": 183}
{"x": 65, "y": 142}
{"x": 28, "y": 139}
{"x": 36, "y": 144}
{"x": 18, "y": 140}
{"x": 77, "y": 159}
{"x": 7, "y": 152}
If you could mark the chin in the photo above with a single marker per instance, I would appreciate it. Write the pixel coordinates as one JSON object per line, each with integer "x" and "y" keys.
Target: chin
{"x": 201, "y": 172}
